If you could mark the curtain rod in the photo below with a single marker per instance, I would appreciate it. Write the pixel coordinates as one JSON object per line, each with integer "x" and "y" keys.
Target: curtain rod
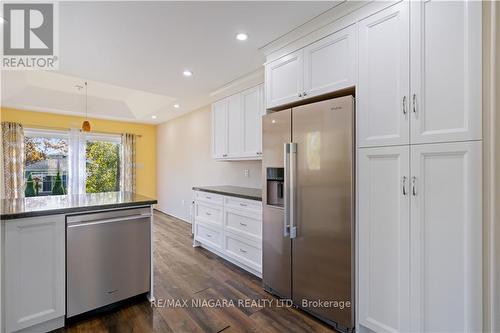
{"x": 67, "y": 129}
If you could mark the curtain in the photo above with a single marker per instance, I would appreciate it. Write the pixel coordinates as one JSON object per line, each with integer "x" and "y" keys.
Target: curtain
{"x": 128, "y": 163}
{"x": 77, "y": 162}
{"x": 12, "y": 160}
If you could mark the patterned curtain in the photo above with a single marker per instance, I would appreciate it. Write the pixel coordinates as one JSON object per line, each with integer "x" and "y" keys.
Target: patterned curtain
{"x": 12, "y": 160}
{"x": 127, "y": 175}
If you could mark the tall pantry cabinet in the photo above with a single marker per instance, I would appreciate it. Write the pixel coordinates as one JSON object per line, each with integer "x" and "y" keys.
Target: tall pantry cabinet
{"x": 420, "y": 168}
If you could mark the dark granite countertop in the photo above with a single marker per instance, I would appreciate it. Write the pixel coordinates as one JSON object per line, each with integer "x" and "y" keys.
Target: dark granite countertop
{"x": 234, "y": 191}
{"x": 65, "y": 204}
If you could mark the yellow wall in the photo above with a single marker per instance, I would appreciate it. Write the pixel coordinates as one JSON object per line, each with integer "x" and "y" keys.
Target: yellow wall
{"x": 146, "y": 145}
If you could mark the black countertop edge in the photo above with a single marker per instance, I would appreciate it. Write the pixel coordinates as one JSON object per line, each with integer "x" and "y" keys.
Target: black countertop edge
{"x": 75, "y": 210}
{"x": 233, "y": 191}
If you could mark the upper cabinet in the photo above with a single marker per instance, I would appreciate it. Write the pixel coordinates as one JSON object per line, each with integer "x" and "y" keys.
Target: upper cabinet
{"x": 324, "y": 66}
{"x": 446, "y": 71}
{"x": 438, "y": 45}
{"x": 284, "y": 80}
{"x": 236, "y": 125}
{"x": 384, "y": 78}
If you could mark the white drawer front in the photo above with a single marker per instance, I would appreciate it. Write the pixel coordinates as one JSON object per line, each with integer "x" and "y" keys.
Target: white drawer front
{"x": 244, "y": 252}
{"x": 248, "y": 224}
{"x": 209, "y": 197}
{"x": 208, "y": 213}
{"x": 250, "y": 205}
{"x": 208, "y": 235}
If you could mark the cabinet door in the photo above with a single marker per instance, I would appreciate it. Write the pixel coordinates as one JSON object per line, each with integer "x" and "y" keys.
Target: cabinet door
{"x": 330, "y": 63}
{"x": 284, "y": 80}
{"x": 34, "y": 271}
{"x": 383, "y": 81}
{"x": 383, "y": 219}
{"x": 446, "y": 238}
{"x": 253, "y": 109}
{"x": 219, "y": 129}
{"x": 446, "y": 71}
{"x": 234, "y": 126}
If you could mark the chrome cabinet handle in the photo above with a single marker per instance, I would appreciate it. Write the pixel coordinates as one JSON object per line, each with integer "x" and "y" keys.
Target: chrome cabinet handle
{"x": 414, "y": 103}
{"x": 208, "y": 198}
{"x": 209, "y": 236}
{"x": 244, "y": 251}
{"x": 304, "y": 94}
{"x": 243, "y": 204}
{"x": 224, "y": 155}
{"x": 300, "y": 95}
{"x": 414, "y": 185}
{"x": 404, "y": 185}
{"x": 243, "y": 224}
{"x": 208, "y": 213}
{"x": 404, "y": 105}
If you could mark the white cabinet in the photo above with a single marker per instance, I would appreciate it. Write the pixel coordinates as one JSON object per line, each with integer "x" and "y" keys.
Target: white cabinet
{"x": 284, "y": 80}
{"x": 231, "y": 227}
{"x": 219, "y": 129}
{"x": 446, "y": 237}
{"x": 439, "y": 47}
{"x": 446, "y": 71}
{"x": 322, "y": 67}
{"x": 384, "y": 244}
{"x": 420, "y": 268}
{"x": 34, "y": 272}
{"x": 252, "y": 106}
{"x": 329, "y": 64}
{"x": 383, "y": 81}
{"x": 236, "y": 125}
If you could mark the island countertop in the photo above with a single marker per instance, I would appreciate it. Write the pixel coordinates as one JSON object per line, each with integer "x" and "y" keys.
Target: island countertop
{"x": 234, "y": 191}
{"x": 66, "y": 204}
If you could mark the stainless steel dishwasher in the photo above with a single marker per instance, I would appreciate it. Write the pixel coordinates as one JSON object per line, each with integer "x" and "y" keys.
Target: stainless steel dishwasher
{"x": 107, "y": 258}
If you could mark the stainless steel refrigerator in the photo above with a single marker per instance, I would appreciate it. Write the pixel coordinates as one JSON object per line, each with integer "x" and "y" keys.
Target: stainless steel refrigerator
{"x": 308, "y": 214}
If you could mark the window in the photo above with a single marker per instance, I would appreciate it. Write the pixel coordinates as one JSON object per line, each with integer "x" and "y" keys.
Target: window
{"x": 102, "y": 164}
{"x": 46, "y": 163}
{"x": 56, "y": 160}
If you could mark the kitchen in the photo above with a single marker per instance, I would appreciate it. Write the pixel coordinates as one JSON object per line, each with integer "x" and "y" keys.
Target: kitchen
{"x": 271, "y": 166}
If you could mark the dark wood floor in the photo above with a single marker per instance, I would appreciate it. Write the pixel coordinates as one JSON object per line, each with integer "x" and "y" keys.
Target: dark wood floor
{"x": 185, "y": 273}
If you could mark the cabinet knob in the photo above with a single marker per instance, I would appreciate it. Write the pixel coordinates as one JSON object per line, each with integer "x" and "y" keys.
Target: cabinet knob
{"x": 300, "y": 95}
{"x": 304, "y": 94}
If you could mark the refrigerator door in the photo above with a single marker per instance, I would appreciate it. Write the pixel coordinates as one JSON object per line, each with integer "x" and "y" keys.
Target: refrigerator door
{"x": 276, "y": 261}
{"x": 322, "y": 259}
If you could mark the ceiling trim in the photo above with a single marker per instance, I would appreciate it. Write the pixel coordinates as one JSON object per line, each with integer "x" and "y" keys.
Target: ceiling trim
{"x": 24, "y": 107}
{"x": 342, "y": 9}
{"x": 244, "y": 82}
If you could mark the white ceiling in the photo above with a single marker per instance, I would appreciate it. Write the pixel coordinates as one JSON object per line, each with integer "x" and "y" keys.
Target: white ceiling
{"x": 140, "y": 49}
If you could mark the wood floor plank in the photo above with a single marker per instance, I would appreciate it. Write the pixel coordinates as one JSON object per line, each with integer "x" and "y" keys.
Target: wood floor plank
{"x": 186, "y": 273}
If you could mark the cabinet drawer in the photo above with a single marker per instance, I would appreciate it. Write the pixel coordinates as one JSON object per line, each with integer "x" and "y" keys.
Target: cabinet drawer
{"x": 243, "y": 251}
{"x": 208, "y": 213}
{"x": 248, "y": 224}
{"x": 209, "y": 197}
{"x": 250, "y": 205}
{"x": 209, "y": 236}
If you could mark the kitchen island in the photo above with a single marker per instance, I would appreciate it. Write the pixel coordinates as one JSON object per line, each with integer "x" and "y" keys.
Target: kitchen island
{"x": 66, "y": 255}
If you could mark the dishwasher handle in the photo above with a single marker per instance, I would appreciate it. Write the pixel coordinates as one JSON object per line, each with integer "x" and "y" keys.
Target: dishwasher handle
{"x": 112, "y": 220}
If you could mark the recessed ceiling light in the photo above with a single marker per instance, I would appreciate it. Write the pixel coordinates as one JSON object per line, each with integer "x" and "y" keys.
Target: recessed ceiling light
{"x": 241, "y": 36}
{"x": 154, "y": 117}
{"x": 187, "y": 73}
{"x": 177, "y": 106}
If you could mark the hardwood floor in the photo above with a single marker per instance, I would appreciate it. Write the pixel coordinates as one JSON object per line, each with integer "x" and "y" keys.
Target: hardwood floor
{"x": 186, "y": 273}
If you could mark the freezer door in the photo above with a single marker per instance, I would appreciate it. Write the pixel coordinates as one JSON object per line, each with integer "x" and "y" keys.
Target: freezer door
{"x": 276, "y": 259}
{"x": 322, "y": 249}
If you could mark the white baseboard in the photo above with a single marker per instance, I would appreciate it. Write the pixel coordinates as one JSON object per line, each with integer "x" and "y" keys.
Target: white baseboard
{"x": 170, "y": 214}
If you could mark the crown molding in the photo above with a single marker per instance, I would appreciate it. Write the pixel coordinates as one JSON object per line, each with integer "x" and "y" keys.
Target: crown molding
{"x": 244, "y": 82}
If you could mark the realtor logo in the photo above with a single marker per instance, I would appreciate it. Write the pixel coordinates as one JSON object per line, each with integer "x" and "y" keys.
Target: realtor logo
{"x": 29, "y": 36}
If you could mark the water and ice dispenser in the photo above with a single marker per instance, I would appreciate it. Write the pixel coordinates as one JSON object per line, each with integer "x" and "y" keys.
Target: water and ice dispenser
{"x": 275, "y": 186}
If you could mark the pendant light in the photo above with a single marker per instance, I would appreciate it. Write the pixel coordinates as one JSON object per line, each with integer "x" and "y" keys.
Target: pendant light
{"x": 86, "y": 123}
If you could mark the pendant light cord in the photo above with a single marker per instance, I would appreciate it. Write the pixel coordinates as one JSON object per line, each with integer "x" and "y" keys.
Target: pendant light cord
{"x": 86, "y": 96}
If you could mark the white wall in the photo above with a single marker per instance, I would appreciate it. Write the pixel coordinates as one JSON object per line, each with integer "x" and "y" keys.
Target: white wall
{"x": 184, "y": 160}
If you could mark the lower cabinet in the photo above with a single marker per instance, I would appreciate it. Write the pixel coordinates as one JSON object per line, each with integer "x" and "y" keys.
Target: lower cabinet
{"x": 420, "y": 238}
{"x": 34, "y": 273}
{"x": 231, "y": 227}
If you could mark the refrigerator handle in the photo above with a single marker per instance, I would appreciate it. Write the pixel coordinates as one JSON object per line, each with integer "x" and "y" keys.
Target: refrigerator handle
{"x": 286, "y": 190}
{"x": 293, "y": 188}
